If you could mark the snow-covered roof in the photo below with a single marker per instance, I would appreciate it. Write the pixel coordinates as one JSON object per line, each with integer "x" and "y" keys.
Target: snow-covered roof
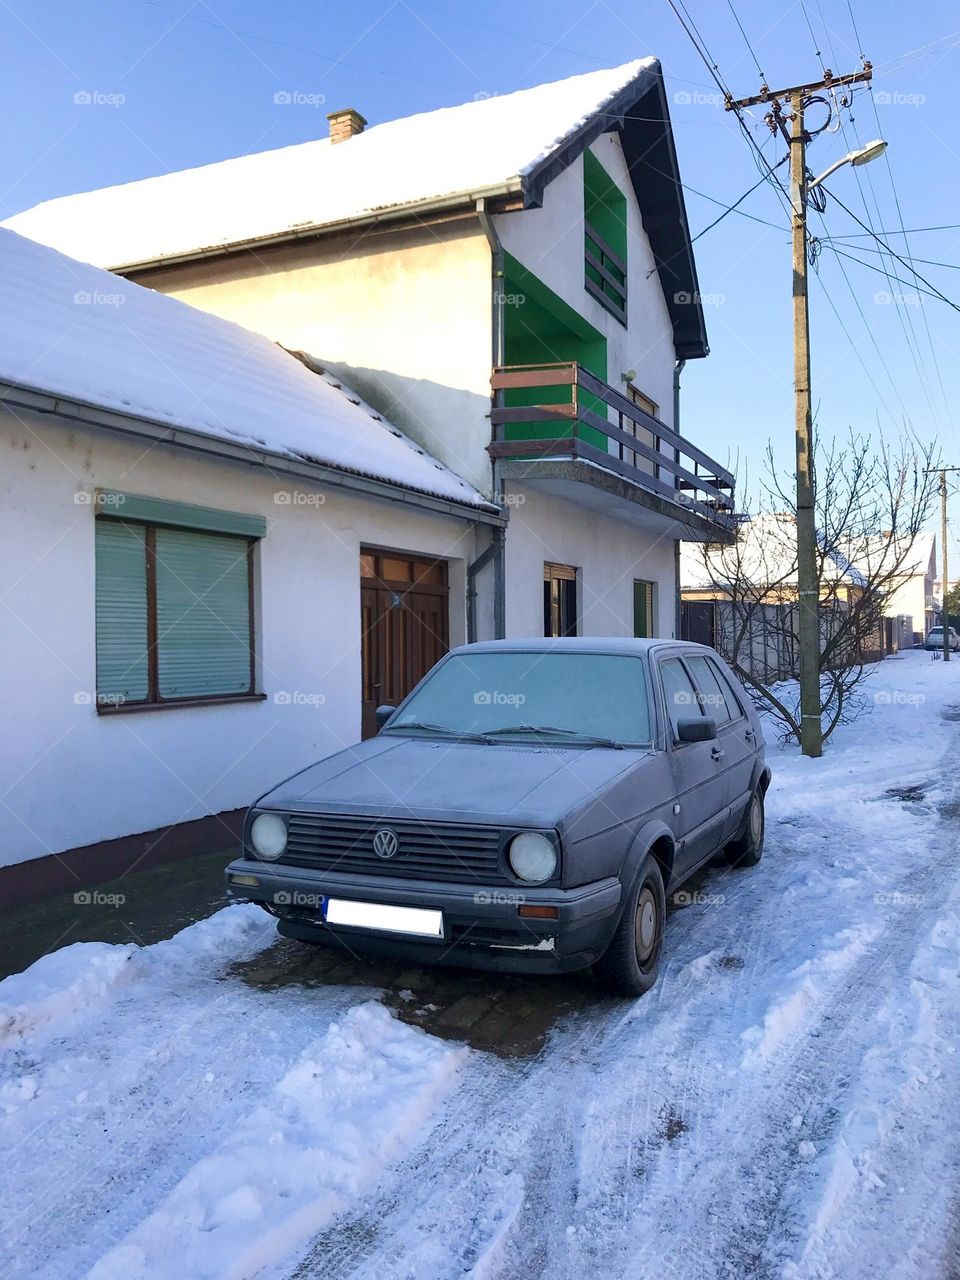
{"x": 482, "y": 147}
{"x": 72, "y": 330}
{"x": 765, "y": 553}
{"x": 914, "y": 553}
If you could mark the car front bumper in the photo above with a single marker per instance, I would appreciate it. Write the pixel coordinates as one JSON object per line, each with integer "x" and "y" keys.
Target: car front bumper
{"x": 481, "y": 925}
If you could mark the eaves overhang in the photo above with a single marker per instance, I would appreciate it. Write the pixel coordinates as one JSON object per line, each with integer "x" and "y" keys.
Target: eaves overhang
{"x": 18, "y": 397}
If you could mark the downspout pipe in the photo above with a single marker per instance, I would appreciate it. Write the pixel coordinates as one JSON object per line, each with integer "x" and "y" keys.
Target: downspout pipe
{"x": 498, "y": 353}
{"x": 678, "y": 612}
{"x": 473, "y": 570}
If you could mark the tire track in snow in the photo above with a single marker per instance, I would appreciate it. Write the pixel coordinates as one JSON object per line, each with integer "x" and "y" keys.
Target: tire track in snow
{"x": 770, "y": 1178}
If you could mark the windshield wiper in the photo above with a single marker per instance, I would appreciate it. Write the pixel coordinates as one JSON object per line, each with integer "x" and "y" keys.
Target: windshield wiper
{"x": 552, "y": 729}
{"x": 462, "y": 735}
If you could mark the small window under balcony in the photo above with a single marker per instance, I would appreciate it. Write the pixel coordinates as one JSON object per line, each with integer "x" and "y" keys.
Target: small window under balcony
{"x": 605, "y": 238}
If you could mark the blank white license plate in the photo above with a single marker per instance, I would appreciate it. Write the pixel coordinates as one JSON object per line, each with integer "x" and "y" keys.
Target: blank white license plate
{"x": 375, "y": 915}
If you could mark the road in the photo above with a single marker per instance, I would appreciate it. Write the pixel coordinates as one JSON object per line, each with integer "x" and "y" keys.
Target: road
{"x": 782, "y": 1104}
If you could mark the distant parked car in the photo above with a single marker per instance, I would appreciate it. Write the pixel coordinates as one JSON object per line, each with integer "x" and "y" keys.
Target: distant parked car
{"x": 934, "y": 639}
{"x": 528, "y": 807}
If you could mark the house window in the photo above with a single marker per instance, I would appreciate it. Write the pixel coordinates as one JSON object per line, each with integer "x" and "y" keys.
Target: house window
{"x": 644, "y": 609}
{"x": 560, "y": 600}
{"x": 640, "y": 433}
{"x": 174, "y": 604}
{"x": 605, "y": 238}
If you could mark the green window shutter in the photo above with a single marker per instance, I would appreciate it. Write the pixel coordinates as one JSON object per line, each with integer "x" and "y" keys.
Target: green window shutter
{"x": 203, "y": 614}
{"x": 121, "y": 604}
{"x": 605, "y": 249}
{"x": 642, "y": 609}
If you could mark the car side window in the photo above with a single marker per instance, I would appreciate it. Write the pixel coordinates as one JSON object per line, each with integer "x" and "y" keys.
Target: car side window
{"x": 679, "y": 694}
{"x": 714, "y": 699}
{"x": 734, "y": 691}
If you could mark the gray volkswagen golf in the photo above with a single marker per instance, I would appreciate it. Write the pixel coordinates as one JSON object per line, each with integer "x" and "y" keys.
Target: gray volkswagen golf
{"x": 528, "y": 808}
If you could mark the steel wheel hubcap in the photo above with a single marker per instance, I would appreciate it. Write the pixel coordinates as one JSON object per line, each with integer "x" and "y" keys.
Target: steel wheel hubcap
{"x": 646, "y": 924}
{"x": 756, "y": 821}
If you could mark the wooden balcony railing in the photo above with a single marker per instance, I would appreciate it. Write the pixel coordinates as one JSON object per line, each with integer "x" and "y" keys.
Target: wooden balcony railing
{"x": 600, "y": 425}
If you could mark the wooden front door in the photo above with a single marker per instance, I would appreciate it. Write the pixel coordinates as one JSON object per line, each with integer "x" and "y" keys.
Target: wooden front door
{"x": 404, "y": 608}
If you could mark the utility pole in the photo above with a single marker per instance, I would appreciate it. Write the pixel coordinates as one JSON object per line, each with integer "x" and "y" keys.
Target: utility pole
{"x": 944, "y": 584}
{"x": 808, "y": 567}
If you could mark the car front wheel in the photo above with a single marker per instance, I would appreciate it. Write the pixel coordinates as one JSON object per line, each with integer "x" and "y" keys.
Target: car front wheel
{"x": 630, "y": 963}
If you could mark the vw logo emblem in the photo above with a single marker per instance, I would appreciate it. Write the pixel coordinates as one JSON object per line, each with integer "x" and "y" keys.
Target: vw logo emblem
{"x": 385, "y": 843}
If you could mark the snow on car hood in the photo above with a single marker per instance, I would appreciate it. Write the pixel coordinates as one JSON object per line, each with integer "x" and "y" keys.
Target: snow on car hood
{"x": 419, "y": 777}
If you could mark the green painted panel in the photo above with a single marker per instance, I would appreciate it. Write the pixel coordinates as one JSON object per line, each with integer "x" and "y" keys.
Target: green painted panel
{"x": 121, "y": 612}
{"x": 113, "y": 504}
{"x": 540, "y": 328}
{"x": 605, "y": 210}
{"x": 203, "y": 614}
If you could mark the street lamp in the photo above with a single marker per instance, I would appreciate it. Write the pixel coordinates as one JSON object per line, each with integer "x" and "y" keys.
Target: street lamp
{"x": 808, "y": 577}
{"x": 863, "y": 155}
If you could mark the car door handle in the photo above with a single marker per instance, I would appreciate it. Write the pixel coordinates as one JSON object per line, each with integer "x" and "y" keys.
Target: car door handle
{"x": 717, "y": 752}
{"x": 750, "y": 735}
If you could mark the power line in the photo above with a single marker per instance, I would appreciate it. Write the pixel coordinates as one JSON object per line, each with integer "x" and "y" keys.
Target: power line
{"x": 746, "y": 40}
{"x": 911, "y": 231}
{"x": 734, "y": 209}
{"x": 693, "y": 34}
{"x": 923, "y": 51}
{"x": 904, "y": 317}
{"x": 903, "y": 261}
{"x": 859, "y": 355}
{"x": 863, "y": 248}
{"x": 910, "y": 284}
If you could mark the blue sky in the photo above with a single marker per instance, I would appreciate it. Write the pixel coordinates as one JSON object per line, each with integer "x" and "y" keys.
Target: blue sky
{"x": 178, "y": 84}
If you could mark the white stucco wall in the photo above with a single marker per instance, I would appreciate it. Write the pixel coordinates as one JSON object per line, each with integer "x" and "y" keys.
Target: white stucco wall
{"x": 404, "y": 316}
{"x": 71, "y": 777}
{"x": 609, "y": 555}
{"x": 550, "y": 242}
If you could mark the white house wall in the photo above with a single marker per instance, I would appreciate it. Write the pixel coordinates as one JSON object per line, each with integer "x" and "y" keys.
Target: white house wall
{"x": 404, "y": 316}
{"x": 72, "y": 777}
{"x": 608, "y": 554}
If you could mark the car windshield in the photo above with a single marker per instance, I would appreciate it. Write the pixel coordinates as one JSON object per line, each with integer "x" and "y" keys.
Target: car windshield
{"x": 540, "y": 696}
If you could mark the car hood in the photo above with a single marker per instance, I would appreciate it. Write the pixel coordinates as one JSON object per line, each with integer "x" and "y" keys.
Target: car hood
{"x": 509, "y": 784}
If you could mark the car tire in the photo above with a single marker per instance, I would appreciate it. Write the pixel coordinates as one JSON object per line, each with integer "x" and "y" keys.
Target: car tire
{"x": 747, "y": 849}
{"x": 630, "y": 964}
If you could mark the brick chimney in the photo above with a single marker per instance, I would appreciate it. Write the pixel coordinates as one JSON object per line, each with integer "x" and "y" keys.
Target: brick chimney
{"x": 344, "y": 124}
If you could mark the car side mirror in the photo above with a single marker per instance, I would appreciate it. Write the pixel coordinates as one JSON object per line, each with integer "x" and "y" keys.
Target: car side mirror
{"x": 383, "y": 715}
{"x": 697, "y": 729}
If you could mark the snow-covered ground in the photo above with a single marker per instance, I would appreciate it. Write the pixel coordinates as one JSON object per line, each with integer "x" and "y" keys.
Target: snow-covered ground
{"x": 784, "y": 1102}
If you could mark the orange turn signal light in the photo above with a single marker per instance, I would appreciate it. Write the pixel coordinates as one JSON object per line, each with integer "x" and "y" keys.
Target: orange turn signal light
{"x": 539, "y": 913}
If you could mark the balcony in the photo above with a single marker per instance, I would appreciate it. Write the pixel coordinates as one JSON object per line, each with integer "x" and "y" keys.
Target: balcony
{"x": 558, "y": 426}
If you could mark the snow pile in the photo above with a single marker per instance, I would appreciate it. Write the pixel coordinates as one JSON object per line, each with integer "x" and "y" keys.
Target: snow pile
{"x": 72, "y": 330}
{"x": 59, "y": 986}
{"x": 237, "y": 932}
{"x": 483, "y": 145}
{"x": 353, "y": 1101}
{"x": 194, "y": 1124}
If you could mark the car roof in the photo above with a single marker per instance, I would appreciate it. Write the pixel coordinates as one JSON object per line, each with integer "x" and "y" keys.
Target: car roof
{"x": 581, "y": 644}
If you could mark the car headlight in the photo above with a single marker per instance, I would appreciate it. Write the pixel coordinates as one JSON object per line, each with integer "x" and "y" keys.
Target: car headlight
{"x": 532, "y": 857}
{"x": 268, "y": 835}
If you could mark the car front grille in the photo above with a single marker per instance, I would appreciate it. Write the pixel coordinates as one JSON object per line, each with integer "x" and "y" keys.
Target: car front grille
{"x": 445, "y": 851}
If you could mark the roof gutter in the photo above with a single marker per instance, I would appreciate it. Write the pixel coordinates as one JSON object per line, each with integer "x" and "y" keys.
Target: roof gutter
{"x": 465, "y": 201}
{"x": 19, "y": 397}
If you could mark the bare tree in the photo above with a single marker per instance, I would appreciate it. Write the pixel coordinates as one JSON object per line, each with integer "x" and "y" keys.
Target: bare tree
{"x": 872, "y": 502}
